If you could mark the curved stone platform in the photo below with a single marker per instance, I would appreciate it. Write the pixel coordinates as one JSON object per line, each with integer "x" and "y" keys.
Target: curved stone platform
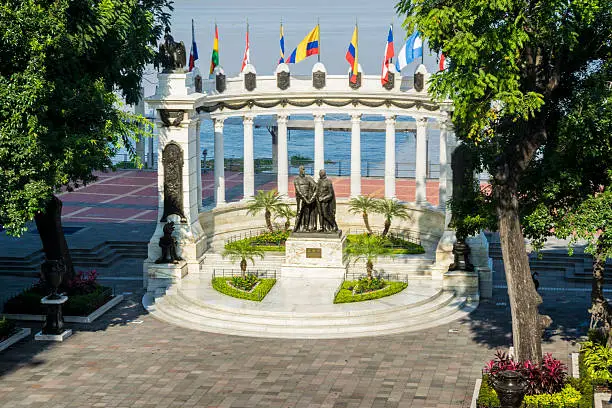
{"x": 298, "y": 309}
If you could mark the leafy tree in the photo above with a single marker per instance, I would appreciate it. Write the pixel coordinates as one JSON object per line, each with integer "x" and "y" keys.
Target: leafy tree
{"x": 287, "y": 213}
{"x": 242, "y": 251}
{"x": 267, "y": 201}
{"x": 366, "y": 247}
{"x": 390, "y": 208}
{"x": 511, "y": 65}
{"x": 63, "y": 64}
{"x": 363, "y": 205}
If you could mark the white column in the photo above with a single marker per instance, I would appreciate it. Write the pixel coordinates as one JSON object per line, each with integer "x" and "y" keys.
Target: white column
{"x": 319, "y": 151}
{"x": 421, "y": 160}
{"x": 390, "y": 156}
{"x": 283, "y": 156}
{"x": 219, "y": 163}
{"x": 355, "y": 155}
{"x": 442, "y": 194}
{"x": 248, "y": 184}
{"x": 199, "y": 165}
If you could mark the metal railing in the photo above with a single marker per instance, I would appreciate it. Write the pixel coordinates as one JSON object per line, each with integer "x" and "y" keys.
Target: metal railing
{"x": 252, "y": 233}
{"x": 260, "y": 273}
{"x": 389, "y": 277}
{"x": 393, "y": 233}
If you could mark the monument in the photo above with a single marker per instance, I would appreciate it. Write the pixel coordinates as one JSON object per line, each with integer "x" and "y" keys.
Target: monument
{"x": 315, "y": 248}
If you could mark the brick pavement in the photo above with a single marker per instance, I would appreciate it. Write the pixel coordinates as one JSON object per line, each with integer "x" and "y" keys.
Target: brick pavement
{"x": 129, "y": 359}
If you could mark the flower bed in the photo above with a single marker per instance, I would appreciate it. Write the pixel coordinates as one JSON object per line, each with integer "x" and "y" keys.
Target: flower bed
{"x": 7, "y": 329}
{"x": 548, "y": 385}
{"x": 396, "y": 245}
{"x": 257, "y": 291}
{"x": 85, "y": 296}
{"x": 268, "y": 241}
{"x": 367, "y": 290}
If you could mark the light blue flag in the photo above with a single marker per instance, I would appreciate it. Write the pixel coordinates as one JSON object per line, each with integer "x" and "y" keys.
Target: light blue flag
{"x": 411, "y": 50}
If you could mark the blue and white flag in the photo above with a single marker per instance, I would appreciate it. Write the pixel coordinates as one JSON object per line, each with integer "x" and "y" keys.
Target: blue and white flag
{"x": 411, "y": 50}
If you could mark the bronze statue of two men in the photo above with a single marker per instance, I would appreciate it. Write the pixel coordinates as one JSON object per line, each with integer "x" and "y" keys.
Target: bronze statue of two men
{"x": 316, "y": 202}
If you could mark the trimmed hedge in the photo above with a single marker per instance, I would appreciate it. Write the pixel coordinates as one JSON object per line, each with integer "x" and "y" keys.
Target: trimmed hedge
{"x": 268, "y": 241}
{"x": 7, "y": 329}
{"x": 257, "y": 295}
{"x": 345, "y": 295}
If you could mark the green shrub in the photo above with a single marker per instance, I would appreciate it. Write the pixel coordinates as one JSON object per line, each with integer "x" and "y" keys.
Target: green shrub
{"x": 345, "y": 294}
{"x": 365, "y": 285}
{"x": 396, "y": 245}
{"x": 487, "y": 397}
{"x": 267, "y": 241}
{"x": 597, "y": 358}
{"x": 221, "y": 285}
{"x": 7, "y": 328}
{"x": 82, "y": 305}
{"x": 245, "y": 283}
{"x": 568, "y": 396}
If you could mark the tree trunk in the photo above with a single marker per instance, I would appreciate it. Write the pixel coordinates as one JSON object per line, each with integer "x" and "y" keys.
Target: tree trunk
{"x": 55, "y": 247}
{"x": 269, "y": 221}
{"x": 600, "y": 309}
{"x": 369, "y": 268}
{"x": 527, "y": 323}
{"x": 387, "y": 226}
{"x": 243, "y": 266}
{"x": 366, "y": 221}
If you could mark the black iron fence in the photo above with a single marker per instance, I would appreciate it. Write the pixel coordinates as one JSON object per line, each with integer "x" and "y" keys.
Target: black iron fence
{"x": 252, "y": 233}
{"x": 260, "y": 273}
{"x": 389, "y": 277}
{"x": 393, "y": 233}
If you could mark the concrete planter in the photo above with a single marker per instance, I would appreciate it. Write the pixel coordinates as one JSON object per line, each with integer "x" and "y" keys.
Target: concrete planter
{"x": 21, "y": 334}
{"x": 72, "y": 319}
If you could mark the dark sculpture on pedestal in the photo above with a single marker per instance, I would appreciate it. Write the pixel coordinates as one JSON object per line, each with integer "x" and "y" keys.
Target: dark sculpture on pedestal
{"x": 305, "y": 189}
{"x": 172, "y": 159}
{"x": 52, "y": 272}
{"x": 172, "y": 56}
{"x": 316, "y": 202}
{"x": 168, "y": 245}
{"x": 326, "y": 203}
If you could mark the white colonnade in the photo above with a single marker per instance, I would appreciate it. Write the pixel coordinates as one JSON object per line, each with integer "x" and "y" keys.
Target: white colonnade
{"x": 422, "y": 123}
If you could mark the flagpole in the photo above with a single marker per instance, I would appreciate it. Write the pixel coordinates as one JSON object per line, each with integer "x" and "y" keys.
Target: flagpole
{"x": 319, "y": 54}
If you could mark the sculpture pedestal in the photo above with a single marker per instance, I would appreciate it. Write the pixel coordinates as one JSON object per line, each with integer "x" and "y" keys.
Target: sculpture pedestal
{"x": 159, "y": 277}
{"x": 311, "y": 255}
{"x": 53, "y": 329}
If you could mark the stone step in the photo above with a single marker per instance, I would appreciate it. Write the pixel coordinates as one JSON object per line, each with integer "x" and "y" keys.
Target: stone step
{"x": 456, "y": 310}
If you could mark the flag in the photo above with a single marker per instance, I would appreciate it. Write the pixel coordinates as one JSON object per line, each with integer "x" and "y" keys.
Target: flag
{"x": 351, "y": 57}
{"x": 389, "y": 54}
{"x": 282, "y": 46}
{"x": 246, "y": 59}
{"x": 193, "y": 53}
{"x": 214, "y": 61}
{"x": 411, "y": 50}
{"x": 307, "y": 47}
{"x": 442, "y": 62}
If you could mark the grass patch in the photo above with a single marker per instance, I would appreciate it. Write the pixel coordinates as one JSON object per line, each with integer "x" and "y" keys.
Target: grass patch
{"x": 345, "y": 295}
{"x": 396, "y": 245}
{"x": 260, "y": 291}
{"x": 268, "y": 241}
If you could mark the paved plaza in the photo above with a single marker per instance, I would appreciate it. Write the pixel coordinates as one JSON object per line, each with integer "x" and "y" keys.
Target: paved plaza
{"x": 129, "y": 359}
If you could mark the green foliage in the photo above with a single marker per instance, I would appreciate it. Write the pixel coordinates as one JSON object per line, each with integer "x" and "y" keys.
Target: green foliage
{"x": 221, "y": 285}
{"x": 267, "y": 201}
{"x": 363, "y": 205}
{"x": 365, "y": 285}
{"x": 63, "y": 65}
{"x": 245, "y": 283}
{"x": 597, "y": 358}
{"x": 297, "y": 160}
{"x": 267, "y": 242}
{"x": 390, "y": 208}
{"x": 568, "y": 396}
{"x": 7, "y": 328}
{"x": 78, "y": 303}
{"x": 345, "y": 294}
{"x": 242, "y": 251}
{"x": 365, "y": 247}
{"x": 487, "y": 397}
{"x": 394, "y": 244}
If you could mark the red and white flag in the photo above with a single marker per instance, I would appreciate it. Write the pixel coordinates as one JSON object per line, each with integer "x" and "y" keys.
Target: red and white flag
{"x": 443, "y": 63}
{"x": 389, "y": 54}
{"x": 246, "y": 59}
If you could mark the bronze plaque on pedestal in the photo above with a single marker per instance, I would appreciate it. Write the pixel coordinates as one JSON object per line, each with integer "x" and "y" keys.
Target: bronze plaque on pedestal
{"x": 313, "y": 252}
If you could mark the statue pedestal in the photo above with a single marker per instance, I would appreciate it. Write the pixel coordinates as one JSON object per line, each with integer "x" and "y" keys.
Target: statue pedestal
{"x": 311, "y": 255}
{"x": 159, "y": 277}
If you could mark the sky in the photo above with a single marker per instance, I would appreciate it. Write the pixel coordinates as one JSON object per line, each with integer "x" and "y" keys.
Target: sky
{"x": 337, "y": 20}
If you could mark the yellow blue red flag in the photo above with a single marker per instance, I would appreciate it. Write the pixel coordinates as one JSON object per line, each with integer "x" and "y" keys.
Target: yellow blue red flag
{"x": 351, "y": 57}
{"x": 307, "y": 47}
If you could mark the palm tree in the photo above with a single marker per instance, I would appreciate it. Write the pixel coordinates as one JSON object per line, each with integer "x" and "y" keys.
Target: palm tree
{"x": 242, "y": 250}
{"x": 269, "y": 201}
{"x": 363, "y": 204}
{"x": 367, "y": 247}
{"x": 287, "y": 213}
{"x": 391, "y": 208}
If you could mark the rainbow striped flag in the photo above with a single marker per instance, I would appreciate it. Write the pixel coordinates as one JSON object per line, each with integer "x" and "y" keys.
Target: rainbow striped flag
{"x": 307, "y": 47}
{"x": 351, "y": 57}
{"x": 214, "y": 60}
